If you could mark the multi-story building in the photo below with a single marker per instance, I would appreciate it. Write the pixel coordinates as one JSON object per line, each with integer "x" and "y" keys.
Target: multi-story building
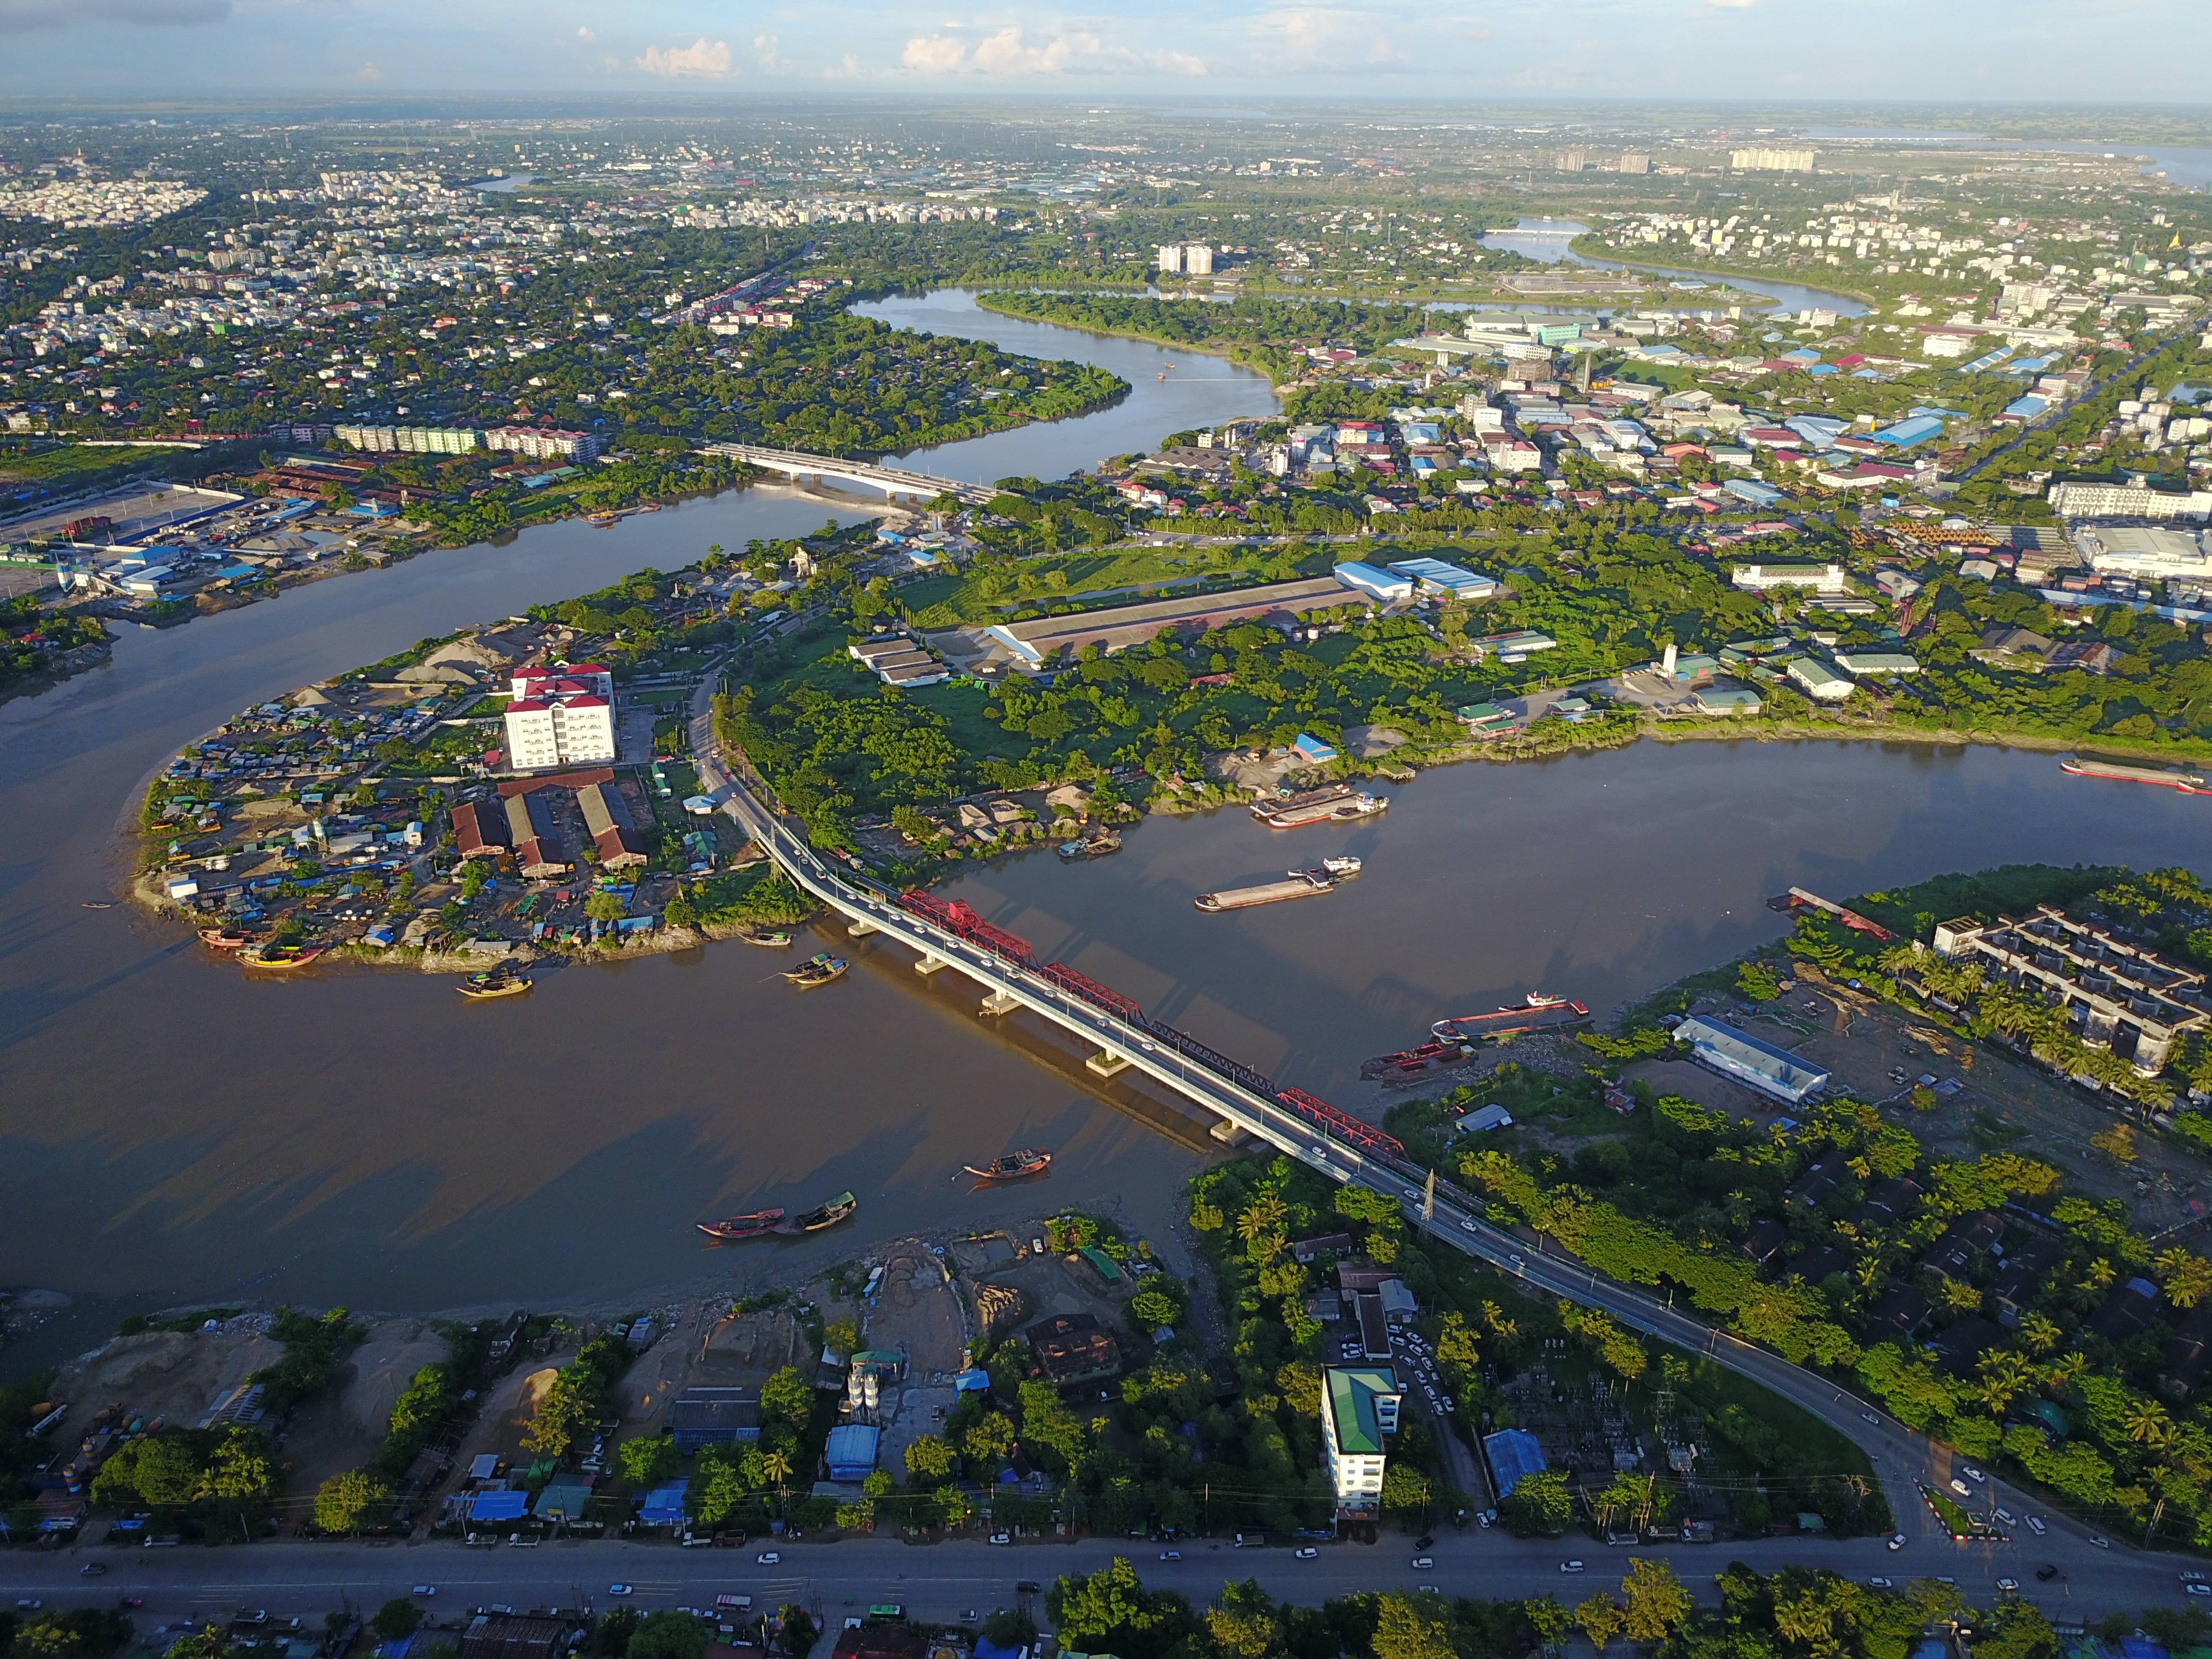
{"x": 2120, "y": 996}
{"x": 1358, "y": 1413}
{"x": 544, "y": 443}
{"x": 560, "y": 717}
{"x": 1197, "y": 260}
{"x": 1634, "y": 162}
{"x": 2076, "y": 500}
{"x": 1573, "y": 161}
{"x": 1170, "y": 259}
{"x": 410, "y": 440}
{"x": 1762, "y": 160}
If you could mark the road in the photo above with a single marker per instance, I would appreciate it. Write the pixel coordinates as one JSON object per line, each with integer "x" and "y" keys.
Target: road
{"x": 1901, "y": 1458}
{"x": 943, "y": 1581}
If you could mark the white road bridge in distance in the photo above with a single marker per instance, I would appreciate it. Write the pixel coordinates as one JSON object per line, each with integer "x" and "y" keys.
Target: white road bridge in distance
{"x": 891, "y": 480}
{"x": 1345, "y": 1149}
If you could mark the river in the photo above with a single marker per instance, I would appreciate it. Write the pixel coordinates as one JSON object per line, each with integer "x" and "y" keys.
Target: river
{"x": 173, "y": 1133}
{"x": 1550, "y": 240}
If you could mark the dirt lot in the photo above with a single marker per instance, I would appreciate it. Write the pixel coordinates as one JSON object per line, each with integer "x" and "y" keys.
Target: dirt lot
{"x": 344, "y": 1429}
{"x": 165, "y": 1374}
{"x": 918, "y": 1311}
{"x": 706, "y": 1347}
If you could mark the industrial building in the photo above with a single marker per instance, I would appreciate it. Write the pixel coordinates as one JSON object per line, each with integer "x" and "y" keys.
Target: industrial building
{"x": 1448, "y": 580}
{"x": 606, "y": 816}
{"x": 1775, "y": 1072}
{"x": 1359, "y": 1413}
{"x": 2120, "y": 996}
{"x": 1383, "y": 587}
{"x": 1817, "y": 680}
{"x": 2147, "y": 552}
{"x": 1514, "y": 1453}
{"x": 2077, "y": 500}
{"x": 1034, "y": 643}
{"x": 705, "y": 1416}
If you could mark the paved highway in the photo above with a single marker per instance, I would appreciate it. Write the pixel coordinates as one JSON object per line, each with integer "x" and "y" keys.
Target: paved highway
{"x": 943, "y": 1581}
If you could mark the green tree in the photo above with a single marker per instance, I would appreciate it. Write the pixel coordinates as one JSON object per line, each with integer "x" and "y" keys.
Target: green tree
{"x": 931, "y": 1459}
{"x": 1107, "y": 1611}
{"x": 604, "y": 907}
{"x": 349, "y": 1502}
{"x": 787, "y": 1397}
{"x": 1409, "y": 1627}
{"x": 205, "y": 1643}
{"x": 1657, "y": 1602}
{"x": 646, "y": 1461}
{"x": 1599, "y": 1619}
{"x": 669, "y": 1635}
{"x": 1539, "y": 1506}
{"x": 1243, "y": 1627}
{"x": 397, "y": 1620}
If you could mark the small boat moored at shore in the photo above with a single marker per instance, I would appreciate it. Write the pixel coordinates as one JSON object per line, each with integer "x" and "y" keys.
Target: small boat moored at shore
{"x": 827, "y": 1215}
{"x": 225, "y": 939}
{"x": 280, "y": 958}
{"x": 1091, "y": 846}
{"x": 774, "y": 938}
{"x": 1030, "y": 1160}
{"x": 501, "y": 981}
{"x": 818, "y": 969}
{"x": 98, "y": 904}
{"x": 2188, "y": 783}
{"x": 760, "y": 1224}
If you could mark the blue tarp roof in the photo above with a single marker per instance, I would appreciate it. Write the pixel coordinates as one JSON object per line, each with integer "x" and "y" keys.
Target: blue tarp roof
{"x": 973, "y": 1380}
{"x": 499, "y": 1506}
{"x": 664, "y": 1505}
{"x": 1513, "y": 1453}
{"x": 1905, "y": 434}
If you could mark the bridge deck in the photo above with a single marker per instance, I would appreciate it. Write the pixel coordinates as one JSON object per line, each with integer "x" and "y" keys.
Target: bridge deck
{"x": 892, "y": 480}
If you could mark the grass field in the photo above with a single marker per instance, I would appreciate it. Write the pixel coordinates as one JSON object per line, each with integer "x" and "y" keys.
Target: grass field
{"x": 67, "y": 467}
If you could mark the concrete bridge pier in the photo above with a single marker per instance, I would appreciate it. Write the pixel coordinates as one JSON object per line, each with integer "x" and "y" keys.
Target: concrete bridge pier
{"x": 996, "y": 1004}
{"x": 1107, "y": 1064}
{"x": 860, "y": 927}
{"x": 928, "y": 965}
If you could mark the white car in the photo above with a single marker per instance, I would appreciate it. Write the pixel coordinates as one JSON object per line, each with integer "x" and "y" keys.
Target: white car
{"x": 1961, "y": 1487}
{"x": 2009, "y": 1586}
{"x": 2003, "y": 1514}
{"x": 1468, "y": 1227}
{"x": 1570, "y": 1566}
{"x": 423, "y": 1590}
{"x": 2198, "y": 1590}
{"x": 622, "y": 1590}
{"x": 1309, "y": 1554}
{"x": 2035, "y": 1525}
{"x": 2100, "y": 1542}
{"x": 1879, "y": 1583}
{"x": 1424, "y": 1561}
{"x": 1170, "y": 1555}
{"x": 1002, "y": 1538}
{"x": 2192, "y": 1576}
{"x": 1869, "y": 1417}
{"x": 1519, "y": 1262}
{"x": 1973, "y": 1473}
{"x": 767, "y": 1558}
{"x": 1897, "y": 1541}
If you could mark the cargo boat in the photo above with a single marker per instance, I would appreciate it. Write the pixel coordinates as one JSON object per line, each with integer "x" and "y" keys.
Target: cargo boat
{"x": 2189, "y": 783}
{"x": 1434, "y": 1055}
{"x": 827, "y": 1215}
{"x": 1333, "y": 804}
{"x": 818, "y": 969}
{"x": 1030, "y": 1160}
{"x": 1091, "y": 846}
{"x": 1298, "y": 883}
{"x": 1538, "y": 1013}
{"x": 759, "y": 1225}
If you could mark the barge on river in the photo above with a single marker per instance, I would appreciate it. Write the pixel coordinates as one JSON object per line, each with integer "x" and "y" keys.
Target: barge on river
{"x": 2088, "y": 766}
{"x": 1539, "y": 1013}
{"x": 1295, "y": 884}
{"x": 1336, "y": 804}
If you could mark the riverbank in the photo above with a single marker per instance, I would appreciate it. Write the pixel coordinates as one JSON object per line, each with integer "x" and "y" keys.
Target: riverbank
{"x": 1242, "y": 356}
{"x": 1591, "y": 247}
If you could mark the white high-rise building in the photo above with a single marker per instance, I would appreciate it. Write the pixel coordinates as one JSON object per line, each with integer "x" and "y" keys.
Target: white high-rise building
{"x": 1359, "y": 1413}
{"x": 1197, "y": 260}
{"x": 560, "y": 717}
{"x": 1771, "y": 160}
{"x": 1171, "y": 257}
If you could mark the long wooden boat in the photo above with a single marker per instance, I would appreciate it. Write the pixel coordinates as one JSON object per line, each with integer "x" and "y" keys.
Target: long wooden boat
{"x": 818, "y": 969}
{"x": 282, "y": 958}
{"x": 1030, "y": 1160}
{"x": 838, "y": 1209}
{"x": 759, "y": 1224}
{"x": 225, "y": 939}
{"x": 494, "y": 982}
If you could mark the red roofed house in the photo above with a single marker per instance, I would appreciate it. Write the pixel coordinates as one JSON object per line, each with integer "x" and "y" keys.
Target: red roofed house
{"x": 607, "y": 817}
{"x": 480, "y": 831}
{"x": 560, "y": 717}
{"x": 537, "y": 842}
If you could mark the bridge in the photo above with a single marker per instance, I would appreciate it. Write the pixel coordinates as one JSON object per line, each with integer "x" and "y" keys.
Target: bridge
{"x": 891, "y": 480}
{"x": 946, "y": 933}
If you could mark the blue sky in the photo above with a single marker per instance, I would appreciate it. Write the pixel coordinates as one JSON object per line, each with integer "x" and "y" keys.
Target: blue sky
{"x": 2084, "y": 51}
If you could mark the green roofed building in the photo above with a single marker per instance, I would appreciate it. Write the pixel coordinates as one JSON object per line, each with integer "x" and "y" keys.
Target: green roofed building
{"x": 1358, "y": 1413}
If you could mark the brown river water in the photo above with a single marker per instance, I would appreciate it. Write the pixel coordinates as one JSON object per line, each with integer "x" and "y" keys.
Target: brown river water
{"x": 171, "y": 1133}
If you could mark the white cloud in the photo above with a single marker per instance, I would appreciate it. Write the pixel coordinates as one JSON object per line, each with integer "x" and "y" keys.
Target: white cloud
{"x": 764, "y": 48}
{"x": 1330, "y": 37}
{"x": 371, "y": 71}
{"x": 709, "y": 59}
{"x": 585, "y": 34}
{"x": 933, "y": 54}
{"x": 1011, "y": 50}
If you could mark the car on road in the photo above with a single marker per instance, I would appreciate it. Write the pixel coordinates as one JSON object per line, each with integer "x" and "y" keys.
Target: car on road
{"x": 1570, "y": 1566}
{"x": 767, "y": 1558}
{"x": 1973, "y": 1473}
{"x": 1961, "y": 1487}
{"x": 1869, "y": 1417}
{"x": 2003, "y": 1514}
{"x": 1879, "y": 1583}
{"x": 2100, "y": 1542}
{"x": 1468, "y": 1227}
{"x": 93, "y": 1570}
{"x": 1309, "y": 1554}
{"x": 423, "y": 1590}
{"x": 2035, "y": 1525}
{"x": 2046, "y": 1572}
{"x": 2008, "y": 1585}
{"x": 1897, "y": 1541}
{"x": 1413, "y": 1193}
{"x": 1027, "y": 1587}
{"x": 1427, "y": 1540}
{"x": 622, "y": 1590}
{"x": 1002, "y": 1538}
{"x": 1519, "y": 1262}
{"x": 1424, "y": 1562}
{"x": 28, "y": 1604}
{"x": 1170, "y": 1555}
{"x": 2198, "y": 1590}
{"x": 2192, "y": 1576}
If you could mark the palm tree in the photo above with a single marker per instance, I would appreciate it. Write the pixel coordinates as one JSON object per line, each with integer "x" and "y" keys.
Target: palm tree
{"x": 776, "y": 1465}
{"x": 1263, "y": 1215}
{"x": 2147, "y": 1424}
